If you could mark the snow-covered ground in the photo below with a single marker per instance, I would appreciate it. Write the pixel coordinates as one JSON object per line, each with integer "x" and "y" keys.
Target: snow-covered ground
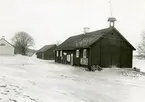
{"x": 139, "y": 63}
{"x": 25, "y": 79}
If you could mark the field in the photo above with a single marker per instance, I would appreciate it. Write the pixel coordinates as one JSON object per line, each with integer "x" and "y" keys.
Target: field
{"x": 26, "y": 79}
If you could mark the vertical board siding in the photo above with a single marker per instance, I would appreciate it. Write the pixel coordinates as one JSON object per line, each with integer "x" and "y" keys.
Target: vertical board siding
{"x": 126, "y": 57}
{"x": 110, "y": 53}
{"x": 111, "y": 50}
{"x": 95, "y": 54}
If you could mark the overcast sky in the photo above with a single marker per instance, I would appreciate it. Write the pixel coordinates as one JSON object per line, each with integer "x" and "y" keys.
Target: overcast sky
{"x": 50, "y": 21}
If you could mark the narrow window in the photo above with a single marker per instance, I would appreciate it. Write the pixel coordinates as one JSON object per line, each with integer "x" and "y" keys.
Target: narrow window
{"x": 68, "y": 58}
{"x": 60, "y": 53}
{"x": 84, "y": 53}
{"x": 57, "y": 53}
{"x": 77, "y": 53}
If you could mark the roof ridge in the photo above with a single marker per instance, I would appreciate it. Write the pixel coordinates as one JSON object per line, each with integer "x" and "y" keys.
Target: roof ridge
{"x": 76, "y": 35}
{"x": 91, "y": 32}
{"x": 84, "y": 40}
{"x": 100, "y": 30}
{"x": 46, "y": 47}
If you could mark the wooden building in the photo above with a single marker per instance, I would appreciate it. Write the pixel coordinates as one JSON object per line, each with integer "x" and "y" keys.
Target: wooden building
{"x": 46, "y": 52}
{"x": 105, "y": 47}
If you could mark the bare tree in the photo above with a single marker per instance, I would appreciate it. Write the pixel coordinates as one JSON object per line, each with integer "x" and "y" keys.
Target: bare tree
{"x": 22, "y": 41}
{"x": 141, "y": 46}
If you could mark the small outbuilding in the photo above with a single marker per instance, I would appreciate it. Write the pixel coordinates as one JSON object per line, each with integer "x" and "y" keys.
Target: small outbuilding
{"x": 46, "y": 52}
{"x": 105, "y": 48}
{"x": 6, "y": 48}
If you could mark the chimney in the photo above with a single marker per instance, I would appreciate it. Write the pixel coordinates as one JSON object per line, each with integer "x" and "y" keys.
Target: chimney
{"x": 86, "y": 30}
{"x": 3, "y": 37}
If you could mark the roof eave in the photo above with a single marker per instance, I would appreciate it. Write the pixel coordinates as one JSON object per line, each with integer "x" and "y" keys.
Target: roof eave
{"x": 125, "y": 39}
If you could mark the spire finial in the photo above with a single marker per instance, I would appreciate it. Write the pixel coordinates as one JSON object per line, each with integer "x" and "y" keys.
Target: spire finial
{"x": 111, "y": 19}
{"x": 110, "y": 2}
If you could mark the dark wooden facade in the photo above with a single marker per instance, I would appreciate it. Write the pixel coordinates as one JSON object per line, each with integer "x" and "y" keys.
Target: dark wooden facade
{"x": 109, "y": 49}
{"x": 47, "y": 52}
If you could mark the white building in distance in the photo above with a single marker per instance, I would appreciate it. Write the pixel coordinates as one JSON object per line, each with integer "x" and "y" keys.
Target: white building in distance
{"x": 6, "y": 48}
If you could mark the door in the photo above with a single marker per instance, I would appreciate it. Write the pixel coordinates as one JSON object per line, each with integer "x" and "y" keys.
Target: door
{"x": 115, "y": 57}
{"x": 71, "y": 59}
{"x": 110, "y": 56}
{"x": 42, "y": 55}
{"x": 106, "y": 57}
{"x": 65, "y": 59}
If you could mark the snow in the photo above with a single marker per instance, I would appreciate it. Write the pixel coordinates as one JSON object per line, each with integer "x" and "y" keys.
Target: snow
{"x": 27, "y": 79}
{"x": 139, "y": 63}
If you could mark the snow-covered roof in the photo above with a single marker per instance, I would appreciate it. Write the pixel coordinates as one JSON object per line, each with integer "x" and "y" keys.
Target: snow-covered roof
{"x": 85, "y": 40}
{"x": 46, "y": 47}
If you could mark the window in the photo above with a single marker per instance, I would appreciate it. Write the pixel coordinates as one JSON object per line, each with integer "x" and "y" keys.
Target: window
{"x": 68, "y": 58}
{"x": 60, "y": 53}
{"x": 77, "y": 53}
{"x": 84, "y": 53}
{"x": 64, "y": 53}
{"x": 2, "y": 44}
{"x": 57, "y": 53}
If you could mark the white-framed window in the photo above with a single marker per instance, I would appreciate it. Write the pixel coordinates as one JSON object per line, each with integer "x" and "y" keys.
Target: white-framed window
{"x": 57, "y": 53}
{"x": 77, "y": 53}
{"x": 60, "y": 53}
{"x": 84, "y": 53}
{"x": 68, "y": 58}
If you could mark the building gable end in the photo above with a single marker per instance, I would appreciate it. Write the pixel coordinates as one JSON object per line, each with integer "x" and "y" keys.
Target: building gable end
{"x": 6, "y": 42}
{"x": 116, "y": 32}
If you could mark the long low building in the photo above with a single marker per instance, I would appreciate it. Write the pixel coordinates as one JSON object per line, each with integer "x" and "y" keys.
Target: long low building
{"x": 46, "y": 52}
{"x": 106, "y": 47}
